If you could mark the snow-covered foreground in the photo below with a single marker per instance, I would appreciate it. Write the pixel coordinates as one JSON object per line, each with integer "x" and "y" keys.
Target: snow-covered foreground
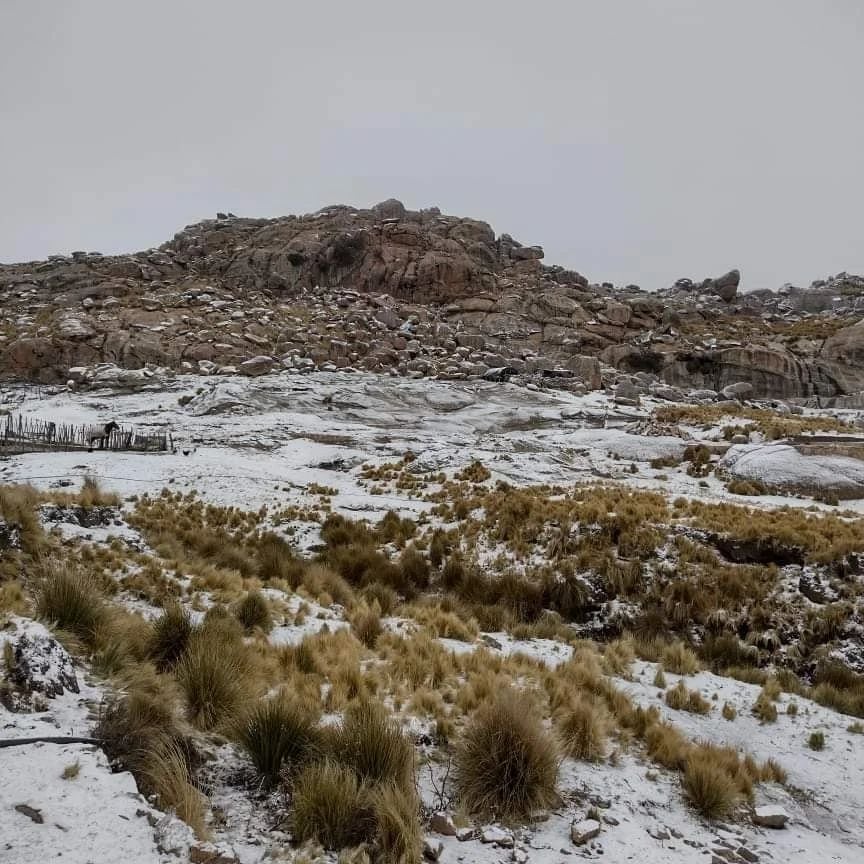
{"x": 279, "y": 441}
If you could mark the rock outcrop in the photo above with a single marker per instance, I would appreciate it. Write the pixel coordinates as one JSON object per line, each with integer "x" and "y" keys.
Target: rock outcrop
{"x": 416, "y": 293}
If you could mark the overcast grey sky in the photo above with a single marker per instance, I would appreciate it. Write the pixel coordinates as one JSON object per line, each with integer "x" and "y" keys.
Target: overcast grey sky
{"x": 636, "y": 140}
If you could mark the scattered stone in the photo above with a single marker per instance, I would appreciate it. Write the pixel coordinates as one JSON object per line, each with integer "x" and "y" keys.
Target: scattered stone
{"x": 583, "y": 831}
{"x": 208, "y": 853}
{"x": 442, "y": 823}
{"x": 30, "y": 812}
{"x": 770, "y": 816}
{"x": 498, "y": 836}
{"x": 260, "y": 365}
{"x": 432, "y": 852}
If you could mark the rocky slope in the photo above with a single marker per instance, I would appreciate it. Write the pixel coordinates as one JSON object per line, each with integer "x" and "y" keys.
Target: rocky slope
{"x": 418, "y": 293}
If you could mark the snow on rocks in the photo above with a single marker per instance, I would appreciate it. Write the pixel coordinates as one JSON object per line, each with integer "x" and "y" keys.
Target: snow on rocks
{"x": 584, "y": 830}
{"x": 39, "y": 663}
{"x": 770, "y": 817}
{"x": 782, "y": 467}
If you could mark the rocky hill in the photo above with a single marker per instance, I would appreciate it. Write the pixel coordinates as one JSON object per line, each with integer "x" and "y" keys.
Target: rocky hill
{"x": 417, "y": 293}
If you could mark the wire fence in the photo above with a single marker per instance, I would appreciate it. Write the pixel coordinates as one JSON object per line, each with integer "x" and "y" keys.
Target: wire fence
{"x": 30, "y": 435}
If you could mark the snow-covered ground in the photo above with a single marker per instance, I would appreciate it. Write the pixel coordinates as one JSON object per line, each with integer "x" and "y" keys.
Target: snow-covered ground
{"x": 249, "y": 442}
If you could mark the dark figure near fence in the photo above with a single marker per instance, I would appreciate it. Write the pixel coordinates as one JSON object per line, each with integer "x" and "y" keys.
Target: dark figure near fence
{"x": 102, "y": 434}
{"x": 50, "y": 432}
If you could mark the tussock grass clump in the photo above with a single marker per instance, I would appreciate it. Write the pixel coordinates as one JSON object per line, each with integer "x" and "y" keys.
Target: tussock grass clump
{"x": 680, "y": 659}
{"x": 331, "y": 806}
{"x": 506, "y": 763}
{"x": 373, "y": 746}
{"x": 71, "y": 771}
{"x": 708, "y": 784}
{"x": 92, "y": 494}
{"x": 121, "y": 641}
{"x": 676, "y": 657}
{"x": 764, "y": 707}
{"x": 855, "y": 728}
{"x": 366, "y": 624}
{"x": 682, "y": 699}
{"x": 253, "y": 612}
{"x": 398, "y": 834}
{"x": 71, "y": 600}
{"x": 276, "y": 560}
{"x": 277, "y": 733}
{"x": 414, "y": 567}
{"x": 666, "y": 745}
{"x": 584, "y": 725}
{"x": 167, "y": 776}
{"x": 659, "y": 677}
{"x": 214, "y": 675}
{"x": 170, "y": 636}
{"x": 816, "y": 741}
{"x": 12, "y": 599}
{"x": 619, "y": 656}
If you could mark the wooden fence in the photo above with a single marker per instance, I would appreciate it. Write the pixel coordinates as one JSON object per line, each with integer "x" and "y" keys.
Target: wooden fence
{"x": 29, "y": 435}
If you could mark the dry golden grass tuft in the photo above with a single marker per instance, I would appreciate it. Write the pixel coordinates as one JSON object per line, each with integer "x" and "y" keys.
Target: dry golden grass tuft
{"x": 330, "y": 806}
{"x": 167, "y": 776}
{"x": 764, "y": 707}
{"x": 708, "y": 784}
{"x": 366, "y": 623}
{"x": 215, "y": 674}
{"x": 170, "y": 636}
{"x": 278, "y": 733}
{"x": 682, "y": 699}
{"x": 584, "y": 725}
{"x": 70, "y": 600}
{"x": 506, "y": 763}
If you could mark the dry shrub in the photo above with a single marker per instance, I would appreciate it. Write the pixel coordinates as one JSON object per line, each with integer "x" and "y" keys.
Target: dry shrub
{"x": 278, "y": 732}
{"x": 318, "y": 580}
{"x": 816, "y": 741}
{"x": 506, "y": 763}
{"x": 170, "y": 636}
{"x": 253, "y": 612}
{"x": 12, "y": 599}
{"x": 415, "y": 568}
{"x": 584, "y": 725}
{"x": 214, "y": 674}
{"x": 130, "y": 726}
{"x": 384, "y": 596}
{"x": 70, "y": 600}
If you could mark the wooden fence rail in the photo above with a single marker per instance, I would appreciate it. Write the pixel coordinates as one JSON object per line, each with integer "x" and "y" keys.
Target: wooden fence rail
{"x": 26, "y": 434}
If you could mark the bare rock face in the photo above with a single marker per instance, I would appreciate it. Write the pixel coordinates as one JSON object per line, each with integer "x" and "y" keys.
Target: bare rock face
{"x": 846, "y": 346}
{"x": 409, "y": 292}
